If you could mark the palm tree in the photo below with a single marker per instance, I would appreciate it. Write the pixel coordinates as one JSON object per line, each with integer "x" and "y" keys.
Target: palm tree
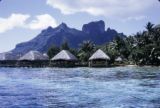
{"x": 87, "y": 46}
{"x": 110, "y": 49}
{"x": 86, "y": 49}
{"x": 149, "y": 27}
{"x": 53, "y": 51}
{"x": 65, "y": 46}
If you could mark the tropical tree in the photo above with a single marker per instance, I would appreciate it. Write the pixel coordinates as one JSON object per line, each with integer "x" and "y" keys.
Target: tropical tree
{"x": 86, "y": 49}
{"x": 65, "y": 46}
{"x": 111, "y": 51}
{"x": 53, "y": 51}
{"x": 123, "y": 46}
{"x": 149, "y": 27}
{"x": 74, "y": 51}
{"x": 142, "y": 48}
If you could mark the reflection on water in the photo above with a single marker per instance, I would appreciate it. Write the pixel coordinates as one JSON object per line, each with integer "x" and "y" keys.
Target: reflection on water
{"x": 121, "y": 87}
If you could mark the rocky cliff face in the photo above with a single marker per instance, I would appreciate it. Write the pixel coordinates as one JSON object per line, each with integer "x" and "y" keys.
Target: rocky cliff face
{"x": 94, "y": 31}
{"x": 94, "y": 28}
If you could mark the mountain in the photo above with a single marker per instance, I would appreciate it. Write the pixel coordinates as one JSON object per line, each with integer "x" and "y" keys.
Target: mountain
{"x": 94, "y": 28}
{"x": 94, "y": 31}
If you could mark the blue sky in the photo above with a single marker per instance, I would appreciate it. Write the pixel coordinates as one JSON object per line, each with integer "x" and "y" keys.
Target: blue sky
{"x": 22, "y": 20}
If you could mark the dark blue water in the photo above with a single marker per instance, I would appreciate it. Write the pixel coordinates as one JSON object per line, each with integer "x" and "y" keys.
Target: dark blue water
{"x": 121, "y": 87}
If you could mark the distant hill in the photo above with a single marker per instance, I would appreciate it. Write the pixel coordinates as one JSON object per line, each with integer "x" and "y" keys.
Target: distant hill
{"x": 94, "y": 31}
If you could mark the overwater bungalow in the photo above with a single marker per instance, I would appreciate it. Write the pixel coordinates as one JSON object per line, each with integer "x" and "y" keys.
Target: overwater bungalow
{"x": 33, "y": 59}
{"x": 64, "y": 59}
{"x": 45, "y": 55}
{"x": 99, "y": 59}
{"x": 8, "y": 59}
{"x": 119, "y": 60}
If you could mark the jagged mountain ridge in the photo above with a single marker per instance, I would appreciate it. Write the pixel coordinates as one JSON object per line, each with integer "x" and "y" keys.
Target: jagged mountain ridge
{"x": 94, "y": 31}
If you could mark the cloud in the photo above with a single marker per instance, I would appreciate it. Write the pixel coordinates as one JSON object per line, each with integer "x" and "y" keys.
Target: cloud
{"x": 135, "y": 18}
{"x": 108, "y": 8}
{"x": 14, "y": 20}
{"x": 42, "y": 21}
{"x": 22, "y": 21}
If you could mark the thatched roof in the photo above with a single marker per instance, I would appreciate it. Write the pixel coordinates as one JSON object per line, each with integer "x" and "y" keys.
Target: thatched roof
{"x": 64, "y": 55}
{"x": 33, "y": 55}
{"x": 99, "y": 54}
{"x": 3, "y": 56}
{"x": 118, "y": 59}
{"x": 45, "y": 55}
{"x": 8, "y": 56}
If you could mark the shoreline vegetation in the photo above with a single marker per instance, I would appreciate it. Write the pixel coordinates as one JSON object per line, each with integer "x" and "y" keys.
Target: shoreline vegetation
{"x": 140, "y": 49}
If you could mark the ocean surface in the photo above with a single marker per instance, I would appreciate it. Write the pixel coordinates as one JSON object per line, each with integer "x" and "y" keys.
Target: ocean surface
{"x": 120, "y": 87}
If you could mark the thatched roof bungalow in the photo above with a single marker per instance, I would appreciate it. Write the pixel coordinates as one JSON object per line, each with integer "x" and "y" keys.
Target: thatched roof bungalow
{"x": 8, "y": 56}
{"x": 33, "y": 59}
{"x": 8, "y": 59}
{"x": 118, "y": 59}
{"x": 33, "y": 56}
{"x": 3, "y": 56}
{"x": 99, "y": 59}
{"x": 64, "y": 59}
{"x": 45, "y": 55}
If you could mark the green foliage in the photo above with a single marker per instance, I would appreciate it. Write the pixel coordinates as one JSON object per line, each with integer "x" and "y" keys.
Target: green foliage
{"x": 142, "y": 48}
{"x": 65, "y": 46}
{"x": 53, "y": 51}
{"x": 146, "y": 51}
{"x": 73, "y": 51}
{"x": 149, "y": 27}
{"x": 110, "y": 49}
{"x": 86, "y": 49}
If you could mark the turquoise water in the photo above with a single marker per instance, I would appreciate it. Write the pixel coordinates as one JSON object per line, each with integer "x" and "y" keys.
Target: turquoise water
{"x": 121, "y": 87}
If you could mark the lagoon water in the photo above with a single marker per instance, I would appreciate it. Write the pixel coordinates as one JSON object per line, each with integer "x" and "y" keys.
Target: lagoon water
{"x": 120, "y": 87}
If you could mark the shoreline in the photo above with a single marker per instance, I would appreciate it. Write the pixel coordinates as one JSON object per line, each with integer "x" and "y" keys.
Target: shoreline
{"x": 78, "y": 66}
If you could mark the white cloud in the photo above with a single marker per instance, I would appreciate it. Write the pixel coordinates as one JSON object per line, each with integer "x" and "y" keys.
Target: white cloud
{"x": 136, "y": 18}
{"x": 108, "y": 8}
{"x": 15, "y": 20}
{"x": 21, "y": 21}
{"x": 42, "y": 21}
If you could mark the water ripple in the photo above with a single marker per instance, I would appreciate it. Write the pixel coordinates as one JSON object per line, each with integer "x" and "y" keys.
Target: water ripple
{"x": 120, "y": 87}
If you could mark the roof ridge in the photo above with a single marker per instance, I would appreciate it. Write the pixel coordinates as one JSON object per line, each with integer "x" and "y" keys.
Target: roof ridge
{"x": 99, "y": 54}
{"x": 68, "y": 53}
{"x": 64, "y": 54}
